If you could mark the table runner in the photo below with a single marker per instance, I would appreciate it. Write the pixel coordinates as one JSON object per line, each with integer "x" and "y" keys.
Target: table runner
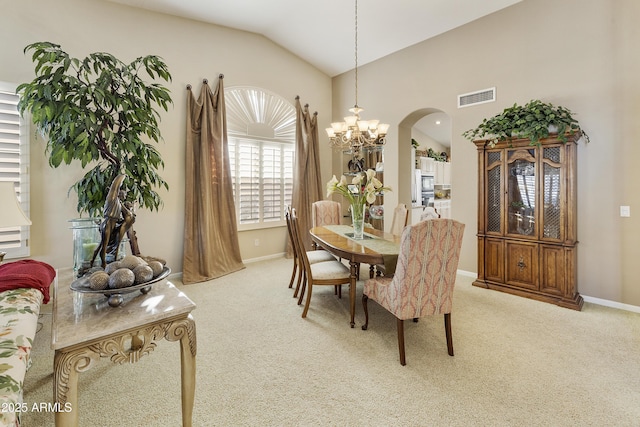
{"x": 389, "y": 250}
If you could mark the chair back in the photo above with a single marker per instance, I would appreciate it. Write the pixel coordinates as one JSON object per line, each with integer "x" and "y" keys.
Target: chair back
{"x": 287, "y": 216}
{"x": 325, "y": 212}
{"x": 429, "y": 212}
{"x": 399, "y": 221}
{"x": 298, "y": 245}
{"x": 426, "y": 270}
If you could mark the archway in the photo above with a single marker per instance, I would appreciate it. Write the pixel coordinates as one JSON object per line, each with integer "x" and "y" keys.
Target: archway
{"x": 406, "y": 152}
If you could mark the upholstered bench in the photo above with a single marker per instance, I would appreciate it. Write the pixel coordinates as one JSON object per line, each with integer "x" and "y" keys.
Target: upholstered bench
{"x": 24, "y": 286}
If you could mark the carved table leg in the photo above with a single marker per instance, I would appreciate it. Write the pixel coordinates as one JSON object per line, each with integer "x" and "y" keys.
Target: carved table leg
{"x": 188, "y": 371}
{"x": 66, "y": 366}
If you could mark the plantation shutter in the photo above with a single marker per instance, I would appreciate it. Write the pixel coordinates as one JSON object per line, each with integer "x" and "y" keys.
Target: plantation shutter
{"x": 14, "y": 145}
{"x": 262, "y": 174}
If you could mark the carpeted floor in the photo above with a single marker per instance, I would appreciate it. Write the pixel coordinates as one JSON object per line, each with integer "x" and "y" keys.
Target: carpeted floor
{"x": 517, "y": 362}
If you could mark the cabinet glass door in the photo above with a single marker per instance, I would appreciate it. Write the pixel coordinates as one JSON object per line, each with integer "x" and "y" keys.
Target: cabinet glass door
{"x": 521, "y": 193}
{"x": 494, "y": 192}
{"x": 551, "y": 193}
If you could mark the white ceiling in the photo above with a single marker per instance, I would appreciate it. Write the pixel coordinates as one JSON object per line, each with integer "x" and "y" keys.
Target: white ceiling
{"x": 314, "y": 31}
{"x": 323, "y": 31}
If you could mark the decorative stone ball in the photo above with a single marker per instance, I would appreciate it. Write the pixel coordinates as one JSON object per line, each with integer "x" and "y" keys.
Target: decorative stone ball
{"x": 121, "y": 278}
{"x": 142, "y": 273}
{"x": 111, "y": 267}
{"x": 99, "y": 281}
{"x": 156, "y": 267}
{"x": 131, "y": 262}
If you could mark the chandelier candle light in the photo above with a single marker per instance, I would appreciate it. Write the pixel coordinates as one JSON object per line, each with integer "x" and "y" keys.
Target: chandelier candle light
{"x": 363, "y": 189}
{"x": 354, "y": 132}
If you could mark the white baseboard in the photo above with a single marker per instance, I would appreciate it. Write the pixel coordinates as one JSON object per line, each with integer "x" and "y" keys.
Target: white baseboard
{"x": 612, "y": 304}
{"x": 467, "y": 273}
{"x": 264, "y": 258}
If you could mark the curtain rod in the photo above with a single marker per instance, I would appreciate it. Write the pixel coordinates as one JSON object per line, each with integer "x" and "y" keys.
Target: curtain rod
{"x": 205, "y": 81}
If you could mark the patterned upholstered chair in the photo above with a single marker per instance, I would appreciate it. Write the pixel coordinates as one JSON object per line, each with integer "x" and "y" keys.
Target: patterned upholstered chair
{"x": 332, "y": 273}
{"x": 398, "y": 223}
{"x": 312, "y": 256}
{"x": 424, "y": 277}
{"x": 325, "y": 212}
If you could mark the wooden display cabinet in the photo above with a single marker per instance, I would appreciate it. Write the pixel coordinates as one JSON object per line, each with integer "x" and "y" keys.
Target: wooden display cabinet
{"x": 369, "y": 158}
{"x": 527, "y": 225}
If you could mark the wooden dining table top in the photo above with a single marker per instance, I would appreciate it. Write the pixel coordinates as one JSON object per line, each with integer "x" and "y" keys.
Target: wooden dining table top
{"x": 333, "y": 239}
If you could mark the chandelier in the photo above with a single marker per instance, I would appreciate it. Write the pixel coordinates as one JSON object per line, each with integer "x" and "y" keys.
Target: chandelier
{"x": 355, "y": 133}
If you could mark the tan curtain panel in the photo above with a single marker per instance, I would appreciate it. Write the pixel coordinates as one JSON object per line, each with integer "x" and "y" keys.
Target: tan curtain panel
{"x": 307, "y": 185}
{"x": 211, "y": 247}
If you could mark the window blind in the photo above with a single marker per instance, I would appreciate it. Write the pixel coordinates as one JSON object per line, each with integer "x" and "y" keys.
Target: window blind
{"x": 14, "y": 144}
{"x": 262, "y": 177}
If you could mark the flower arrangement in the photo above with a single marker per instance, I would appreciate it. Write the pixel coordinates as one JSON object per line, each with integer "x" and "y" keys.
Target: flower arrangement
{"x": 363, "y": 189}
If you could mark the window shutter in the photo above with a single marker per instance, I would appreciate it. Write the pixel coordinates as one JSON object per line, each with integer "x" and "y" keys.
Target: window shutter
{"x": 14, "y": 143}
{"x": 261, "y": 130}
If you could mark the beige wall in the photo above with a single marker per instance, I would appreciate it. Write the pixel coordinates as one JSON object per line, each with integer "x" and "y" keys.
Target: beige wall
{"x": 193, "y": 51}
{"x": 582, "y": 55}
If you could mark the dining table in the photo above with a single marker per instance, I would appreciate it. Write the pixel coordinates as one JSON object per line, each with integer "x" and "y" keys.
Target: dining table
{"x": 376, "y": 247}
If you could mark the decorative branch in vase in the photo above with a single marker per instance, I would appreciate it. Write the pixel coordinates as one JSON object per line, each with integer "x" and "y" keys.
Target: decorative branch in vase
{"x": 362, "y": 191}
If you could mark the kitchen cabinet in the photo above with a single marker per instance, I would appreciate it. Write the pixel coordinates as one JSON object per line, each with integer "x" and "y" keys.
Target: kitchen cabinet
{"x": 527, "y": 219}
{"x": 443, "y": 207}
{"x": 442, "y": 173}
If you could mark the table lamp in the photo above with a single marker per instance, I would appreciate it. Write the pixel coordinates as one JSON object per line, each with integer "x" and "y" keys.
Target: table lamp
{"x": 11, "y": 215}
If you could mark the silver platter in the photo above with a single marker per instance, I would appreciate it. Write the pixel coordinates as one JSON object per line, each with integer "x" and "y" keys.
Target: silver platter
{"x": 115, "y": 295}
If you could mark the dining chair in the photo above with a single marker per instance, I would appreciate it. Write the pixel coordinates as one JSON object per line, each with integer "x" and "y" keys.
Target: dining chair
{"x": 398, "y": 222}
{"x": 330, "y": 273}
{"x": 424, "y": 277}
{"x": 313, "y": 256}
{"x": 429, "y": 212}
{"x": 325, "y": 212}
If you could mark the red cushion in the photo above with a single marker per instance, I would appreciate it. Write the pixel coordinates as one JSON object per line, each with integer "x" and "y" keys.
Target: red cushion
{"x": 27, "y": 273}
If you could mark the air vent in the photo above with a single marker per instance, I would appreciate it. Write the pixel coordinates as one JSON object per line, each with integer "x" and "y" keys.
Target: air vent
{"x": 478, "y": 97}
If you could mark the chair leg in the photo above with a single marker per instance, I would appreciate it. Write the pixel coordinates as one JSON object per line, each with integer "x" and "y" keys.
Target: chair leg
{"x": 293, "y": 274}
{"x": 306, "y": 305}
{"x": 300, "y": 276}
{"x": 372, "y": 270}
{"x": 303, "y": 287}
{"x": 447, "y": 330}
{"x": 366, "y": 312}
{"x": 401, "y": 341}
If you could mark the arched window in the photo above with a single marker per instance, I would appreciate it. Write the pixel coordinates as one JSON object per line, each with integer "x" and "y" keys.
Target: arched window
{"x": 261, "y": 131}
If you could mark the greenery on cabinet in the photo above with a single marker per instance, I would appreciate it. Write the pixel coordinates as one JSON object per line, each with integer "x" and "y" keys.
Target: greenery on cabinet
{"x": 535, "y": 121}
{"x": 97, "y": 111}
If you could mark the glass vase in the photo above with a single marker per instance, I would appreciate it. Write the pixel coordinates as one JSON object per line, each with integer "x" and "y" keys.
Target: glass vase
{"x": 357, "y": 220}
{"x": 86, "y": 238}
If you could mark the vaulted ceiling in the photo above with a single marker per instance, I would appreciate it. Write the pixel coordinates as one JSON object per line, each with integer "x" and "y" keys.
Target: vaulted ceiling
{"x": 323, "y": 31}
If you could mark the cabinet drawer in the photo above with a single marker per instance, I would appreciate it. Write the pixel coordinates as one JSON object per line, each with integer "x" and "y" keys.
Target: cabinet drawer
{"x": 522, "y": 264}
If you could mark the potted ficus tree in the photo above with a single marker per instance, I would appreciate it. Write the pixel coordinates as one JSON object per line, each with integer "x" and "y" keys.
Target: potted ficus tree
{"x": 103, "y": 113}
{"x": 534, "y": 121}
